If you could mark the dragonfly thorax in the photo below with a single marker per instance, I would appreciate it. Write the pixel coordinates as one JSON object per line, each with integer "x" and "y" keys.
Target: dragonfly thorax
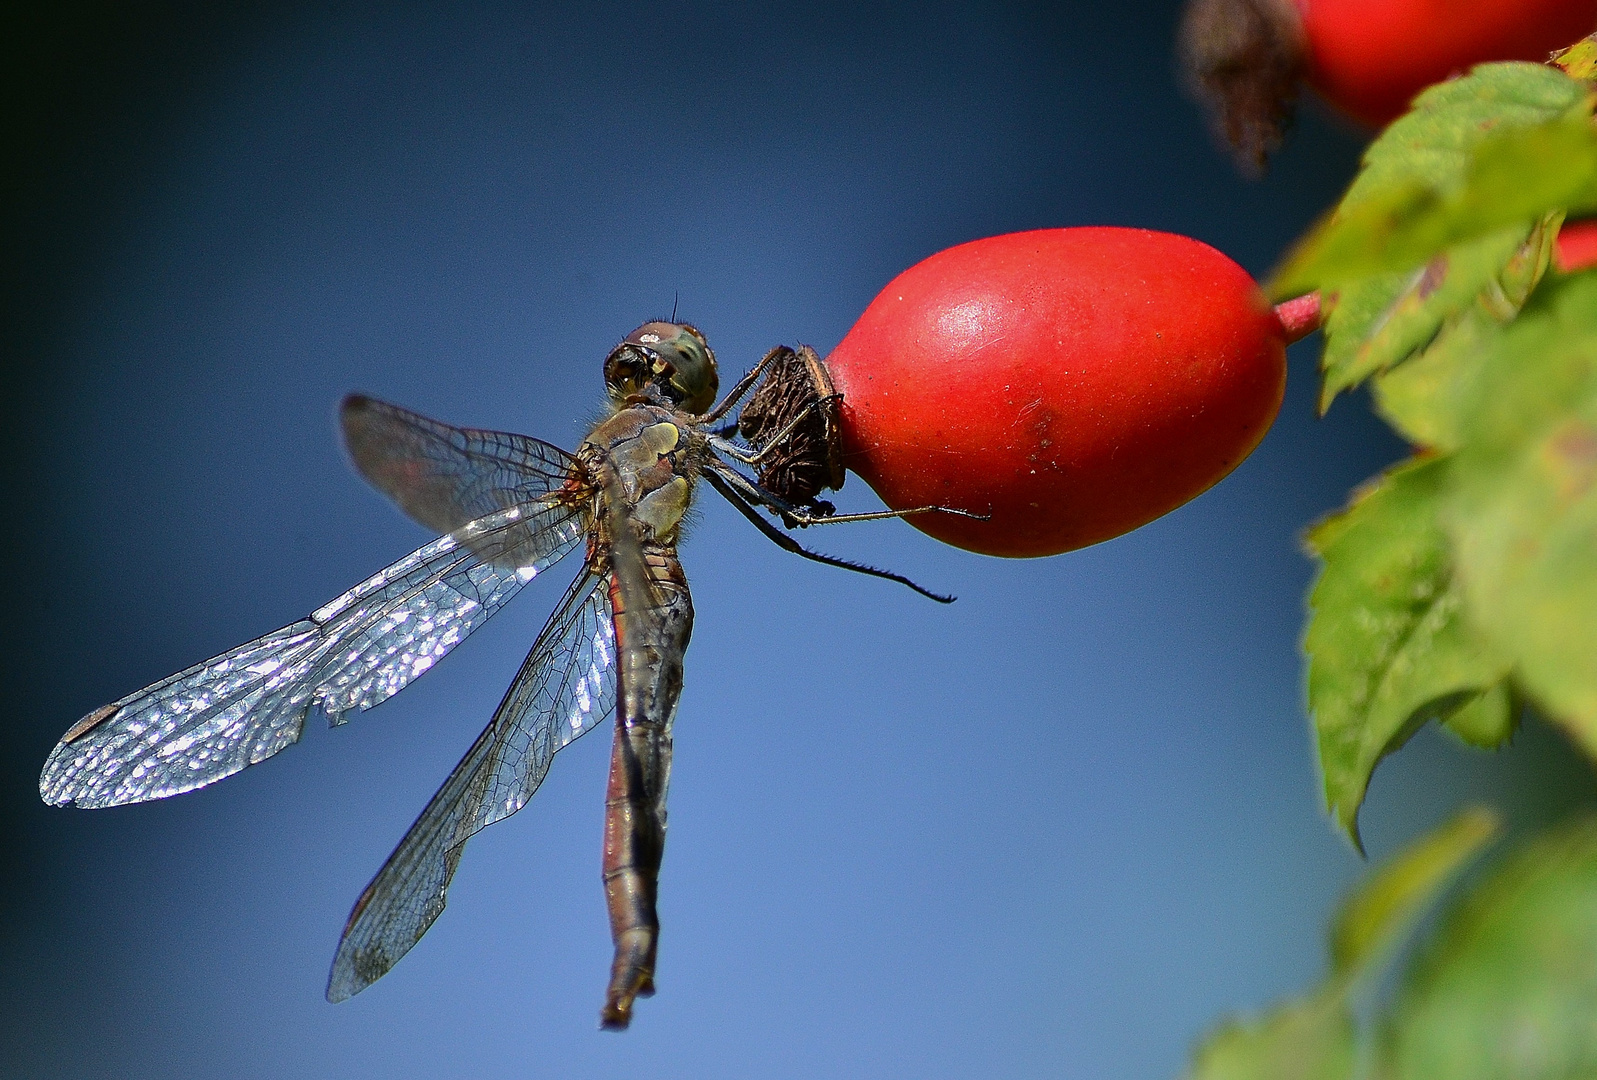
{"x": 654, "y": 455}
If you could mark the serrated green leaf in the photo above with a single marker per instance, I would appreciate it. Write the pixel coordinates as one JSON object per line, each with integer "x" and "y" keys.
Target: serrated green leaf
{"x": 1432, "y": 143}
{"x": 1510, "y": 177}
{"x": 1488, "y": 720}
{"x": 1422, "y": 397}
{"x": 1310, "y": 1039}
{"x": 1380, "y": 321}
{"x": 1444, "y": 200}
{"x": 1508, "y": 985}
{"x": 1385, "y": 907}
{"x": 1522, "y": 513}
{"x": 1388, "y": 647}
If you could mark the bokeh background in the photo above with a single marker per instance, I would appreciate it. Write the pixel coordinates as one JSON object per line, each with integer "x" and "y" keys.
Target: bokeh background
{"x": 1058, "y": 829}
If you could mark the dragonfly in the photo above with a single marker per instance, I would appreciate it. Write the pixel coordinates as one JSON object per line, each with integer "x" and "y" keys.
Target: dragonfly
{"x": 507, "y": 508}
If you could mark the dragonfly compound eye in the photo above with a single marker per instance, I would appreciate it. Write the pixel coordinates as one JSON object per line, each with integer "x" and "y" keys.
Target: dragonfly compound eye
{"x": 671, "y": 356}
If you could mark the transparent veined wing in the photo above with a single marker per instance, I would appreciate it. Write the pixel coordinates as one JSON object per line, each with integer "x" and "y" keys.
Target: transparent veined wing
{"x": 564, "y": 689}
{"x": 445, "y": 476}
{"x": 243, "y": 706}
{"x": 506, "y": 502}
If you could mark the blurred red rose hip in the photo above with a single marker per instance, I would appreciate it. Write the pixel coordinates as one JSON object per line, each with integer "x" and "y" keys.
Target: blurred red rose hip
{"x": 1367, "y": 58}
{"x": 1576, "y": 248}
{"x": 1073, "y": 383}
{"x": 1370, "y": 57}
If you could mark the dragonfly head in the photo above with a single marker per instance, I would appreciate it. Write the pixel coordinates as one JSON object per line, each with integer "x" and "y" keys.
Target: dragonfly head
{"x": 672, "y": 358}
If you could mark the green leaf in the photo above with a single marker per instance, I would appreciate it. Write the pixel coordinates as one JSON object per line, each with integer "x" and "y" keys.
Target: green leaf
{"x": 1508, "y": 985}
{"x": 1387, "y": 645}
{"x": 1379, "y": 321}
{"x": 1422, "y": 397}
{"x": 1579, "y": 61}
{"x": 1510, "y": 177}
{"x": 1384, "y": 909}
{"x": 1312, "y": 1038}
{"x": 1306, "y": 1040}
{"x": 1523, "y": 512}
{"x": 1487, "y": 720}
{"x": 1445, "y": 200}
{"x": 1427, "y": 157}
{"x": 1519, "y": 175}
{"x": 1432, "y": 143}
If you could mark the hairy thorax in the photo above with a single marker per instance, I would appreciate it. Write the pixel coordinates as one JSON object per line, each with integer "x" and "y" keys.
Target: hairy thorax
{"x": 650, "y": 457}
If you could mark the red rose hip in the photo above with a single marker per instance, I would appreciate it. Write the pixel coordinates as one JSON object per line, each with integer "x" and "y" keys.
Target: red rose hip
{"x": 1072, "y": 383}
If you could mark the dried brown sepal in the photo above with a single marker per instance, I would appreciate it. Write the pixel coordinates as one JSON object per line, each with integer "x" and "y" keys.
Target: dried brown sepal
{"x": 809, "y": 459}
{"x": 1244, "y": 59}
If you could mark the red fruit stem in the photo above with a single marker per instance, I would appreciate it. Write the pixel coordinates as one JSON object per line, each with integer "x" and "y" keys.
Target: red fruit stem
{"x": 1575, "y": 250}
{"x": 1299, "y": 317}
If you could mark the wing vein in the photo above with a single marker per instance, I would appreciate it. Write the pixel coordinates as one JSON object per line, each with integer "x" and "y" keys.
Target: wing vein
{"x": 495, "y": 778}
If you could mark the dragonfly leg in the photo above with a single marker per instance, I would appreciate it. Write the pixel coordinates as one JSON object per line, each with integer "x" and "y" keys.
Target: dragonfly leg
{"x": 717, "y": 478}
{"x": 744, "y": 385}
{"x": 820, "y": 513}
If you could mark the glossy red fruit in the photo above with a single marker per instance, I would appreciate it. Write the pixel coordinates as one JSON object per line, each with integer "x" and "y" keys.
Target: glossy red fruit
{"x": 1370, "y": 57}
{"x": 1074, "y": 383}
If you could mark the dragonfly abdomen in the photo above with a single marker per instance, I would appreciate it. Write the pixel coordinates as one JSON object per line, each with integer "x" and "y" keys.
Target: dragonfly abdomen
{"x": 650, "y": 642}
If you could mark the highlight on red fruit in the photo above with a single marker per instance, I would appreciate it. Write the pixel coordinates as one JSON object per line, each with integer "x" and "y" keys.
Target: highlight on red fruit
{"x": 1071, "y": 383}
{"x": 1367, "y": 58}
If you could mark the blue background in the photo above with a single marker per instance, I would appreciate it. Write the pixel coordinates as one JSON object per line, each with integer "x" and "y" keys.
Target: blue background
{"x": 1057, "y": 829}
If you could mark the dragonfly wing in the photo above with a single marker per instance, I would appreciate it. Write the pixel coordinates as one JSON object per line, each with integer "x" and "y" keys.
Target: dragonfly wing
{"x": 565, "y": 688}
{"x": 445, "y": 476}
{"x": 243, "y": 706}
